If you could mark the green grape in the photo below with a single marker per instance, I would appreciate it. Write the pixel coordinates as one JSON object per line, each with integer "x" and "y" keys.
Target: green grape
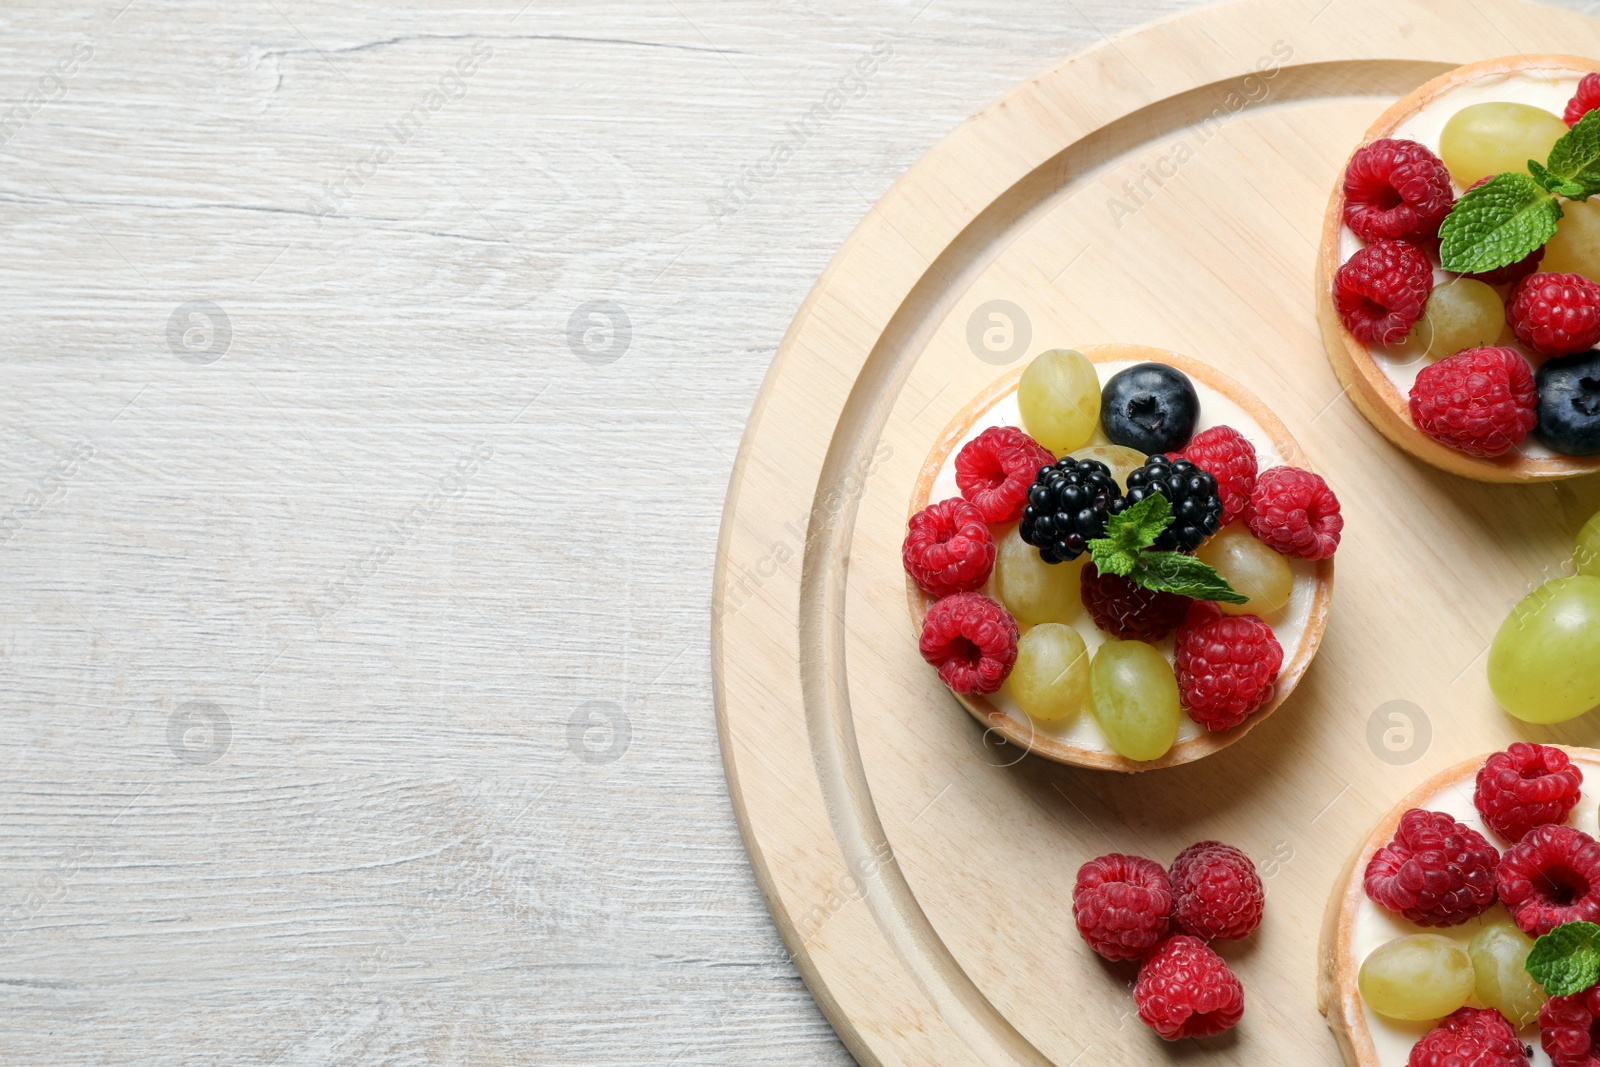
{"x": 1251, "y": 568}
{"x": 1544, "y": 665}
{"x": 1416, "y": 978}
{"x": 1575, "y": 249}
{"x": 1498, "y": 954}
{"x": 1461, "y": 314}
{"x": 1134, "y": 696}
{"x": 1122, "y": 460}
{"x": 1060, "y": 400}
{"x": 1484, "y": 139}
{"x": 1031, "y": 589}
{"x": 1051, "y": 676}
{"x": 1586, "y": 553}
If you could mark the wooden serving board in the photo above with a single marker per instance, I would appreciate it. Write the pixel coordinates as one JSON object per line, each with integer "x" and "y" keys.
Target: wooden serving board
{"x": 1167, "y": 189}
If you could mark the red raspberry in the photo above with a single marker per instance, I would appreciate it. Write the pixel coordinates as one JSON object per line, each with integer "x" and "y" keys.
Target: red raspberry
{"x": 1396, "y": 188}
{"x": 1226, "y": 665}
{"x": 995, "y": 469}
{"x": 1482, "y": 401}
{"x": 1123, "y": 905}
{"x": 972, "y": 640}
{"x": 948, "y": 549}
{"x": 1295, "y": 513}
{"x": 1585, "y": 100}
{"x": 1230, "y": 458}
{"x": 1526, "y": 786}
{"x": 1472, "y": 1037}
{"x": 1555, "y": 314}
{"x": 1381, "y": 291}
{"x": 1567, "y": 1029}
{"x": 1436, "y": 872}
{"x": 1216, "y": 892}
{"x": 1512, "y": 272}
{"x": 1129, "y": 611}
{"x": 1187, "y": 990}
{"x": 1550, "y": 877}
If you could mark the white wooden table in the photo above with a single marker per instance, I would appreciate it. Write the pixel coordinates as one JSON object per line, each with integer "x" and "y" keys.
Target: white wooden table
{"x": 372, "y": 378}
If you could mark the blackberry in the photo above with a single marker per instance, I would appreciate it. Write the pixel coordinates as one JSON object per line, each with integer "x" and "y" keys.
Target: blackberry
{"x": 1192, "y": 492}
{"x": 1068, "y": 504}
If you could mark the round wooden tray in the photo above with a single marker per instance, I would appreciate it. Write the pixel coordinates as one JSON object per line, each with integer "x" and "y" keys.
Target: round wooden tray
{"x": 1339, "y": 998}
{"x": 1372, "y": 390}
{"x": 920, "y": 875}
{"x": 1296, "y": 659}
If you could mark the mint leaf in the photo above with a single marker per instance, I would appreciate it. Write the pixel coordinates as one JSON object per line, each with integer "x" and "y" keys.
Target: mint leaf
{"x": 1129, "y": 534}
{"x": 1173, "y": 572}
{"x": 1556, "y": 184}
{"x": 1566, "y": 960}
{"x": 1497, "y": 223}
{"x": 1576, "y": 158}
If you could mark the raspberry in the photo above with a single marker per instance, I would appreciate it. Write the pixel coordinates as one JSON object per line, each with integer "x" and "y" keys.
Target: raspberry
{"x": 1187, "y": 990}
{"x": 1226, "y": 665}
{"x": 1555, "y": 314}
{"x": 1436, "y": 872}
{"x": 1512, "y": 272}
{"x": 972, "y": 640}
{"x": 995, "y": 469}
{"x": 1396, "y": 188}
{"x": 1381, "y": 291}
{"x": 1122, "y": 905}
{"x": 1295, "y": 513}
{"x": 1216, "y": 892}
{"x": 1130, "y": 611}
{"x": 1585, "y": 100}
{"x": 1550, "y": 877}
{"x": 1229, "y": 457}
{"x": 1526, "y": 786}
{"x": 1472, "y": 1037}
{"x": 1567, "y": 1029}
{"x": 1482, "y": 401}
{"x": 948, "y": 549}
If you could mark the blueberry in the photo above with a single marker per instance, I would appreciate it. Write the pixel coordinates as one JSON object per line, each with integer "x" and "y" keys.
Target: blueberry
{"x": 1569, "y": 404}
{"x": 1150, "y": 407}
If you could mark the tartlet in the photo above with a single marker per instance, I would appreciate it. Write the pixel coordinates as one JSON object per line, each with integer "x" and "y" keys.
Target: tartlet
{"x": 1379, "y": 396}
{"x": 1313, "y": 579}
{"x": 1353, "y": 925}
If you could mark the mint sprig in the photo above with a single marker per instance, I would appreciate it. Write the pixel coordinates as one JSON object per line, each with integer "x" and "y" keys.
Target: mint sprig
{"x": 1567, "y": 959}
{"x": 1129, "y": 534}
{"x": 1497, "y": 223}
{"x": 1126, "y": 550}
{"x": 1575, "y": 158}
{"x": 1508, "y": 217}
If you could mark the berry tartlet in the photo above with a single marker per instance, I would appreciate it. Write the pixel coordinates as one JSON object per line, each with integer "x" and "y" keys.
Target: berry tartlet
{"x": 1116, "y": 559}
{"x": 1464, "y": 924}
{"x": 1486, "y": 369}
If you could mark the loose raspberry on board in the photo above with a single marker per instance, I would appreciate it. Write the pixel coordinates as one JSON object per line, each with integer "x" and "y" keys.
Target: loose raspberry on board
{"x": 1122, "y": 905}
{"x": 1187, "y": 990}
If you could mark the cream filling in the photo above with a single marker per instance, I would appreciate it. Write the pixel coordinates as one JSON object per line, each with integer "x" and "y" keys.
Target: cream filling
{"x": 1373, "y": 926}
{"x": 1288, "y": 625}
{"x": 1549, "y": 89}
